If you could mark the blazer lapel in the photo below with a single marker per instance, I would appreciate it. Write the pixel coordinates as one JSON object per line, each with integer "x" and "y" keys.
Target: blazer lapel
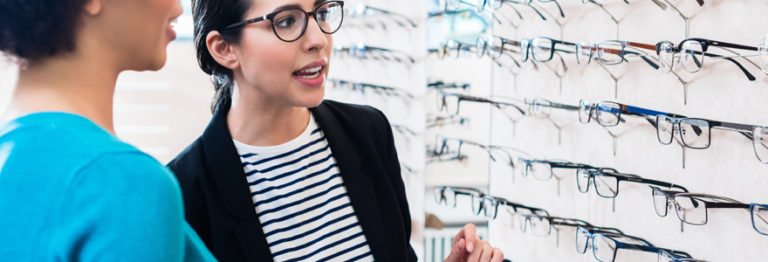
{"x": 223, "y": 163}
{"x": 359, "y": 187}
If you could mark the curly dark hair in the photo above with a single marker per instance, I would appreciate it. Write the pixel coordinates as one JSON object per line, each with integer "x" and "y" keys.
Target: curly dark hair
{"x": 38, "y": 29}
{"x": 213, "y": 15}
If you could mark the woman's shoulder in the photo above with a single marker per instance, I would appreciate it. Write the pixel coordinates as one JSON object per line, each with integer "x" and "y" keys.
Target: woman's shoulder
{"x": 189, "y": 161}
{"x": 65, "y": 142}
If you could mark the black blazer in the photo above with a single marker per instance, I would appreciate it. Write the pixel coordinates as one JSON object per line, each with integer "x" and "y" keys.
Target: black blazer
{"x": 217, "y": 199}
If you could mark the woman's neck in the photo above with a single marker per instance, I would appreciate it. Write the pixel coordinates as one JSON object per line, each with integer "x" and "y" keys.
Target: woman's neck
{"x": 260, "y": 122}
{"x": 74, "y": 84}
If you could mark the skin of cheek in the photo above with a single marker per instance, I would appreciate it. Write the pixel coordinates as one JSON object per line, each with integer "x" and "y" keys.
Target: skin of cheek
{"x": 142, "y": 42}
{"x": 267, "y": 64}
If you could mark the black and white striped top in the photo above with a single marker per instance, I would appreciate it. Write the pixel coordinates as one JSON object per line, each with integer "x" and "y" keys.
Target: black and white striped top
{"x": 301, "y": 200}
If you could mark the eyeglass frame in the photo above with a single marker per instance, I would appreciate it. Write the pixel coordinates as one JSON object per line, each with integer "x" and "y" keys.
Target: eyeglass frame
{"x": 592, "y": 172}
{"x": 547, "y": 103}
{"x": 594, "y": 49}
{"x": 552, "y": 165}
{"x": 743, "y": 129}
{"x": 622, "y": 108}
{"x": 561, "y": 221}
{"x": 271, "y": 17}
{"x": 623, "y": 245}
{"x": 599, "y": 230}
{"x": 675, "y": 50}
{"x": 463, "y": 97}
{"x": 526, "y": 48}
{"x": 670, "y": 196}
{"x": 752, "y": 208}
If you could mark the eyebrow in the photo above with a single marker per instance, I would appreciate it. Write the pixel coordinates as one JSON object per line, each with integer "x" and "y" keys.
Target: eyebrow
{"x": 292, "y": 6}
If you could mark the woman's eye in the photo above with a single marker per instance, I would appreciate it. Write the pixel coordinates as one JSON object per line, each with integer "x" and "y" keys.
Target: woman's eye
{"x": 285, "y": 22}
{"x": 322, "y": 14}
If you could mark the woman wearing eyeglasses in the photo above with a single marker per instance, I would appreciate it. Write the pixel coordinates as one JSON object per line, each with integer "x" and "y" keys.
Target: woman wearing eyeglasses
{"x": 70, "y": 190}
{"x": 279, "y": 173}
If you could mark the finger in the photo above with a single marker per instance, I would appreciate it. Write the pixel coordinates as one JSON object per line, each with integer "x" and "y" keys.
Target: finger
{"x": 487, "y": 252}
{"x": 470, "y": 235}
{"x": 457, "y": 252}
{"x": 474, "y": 256}
{"x": 498, "y": 256}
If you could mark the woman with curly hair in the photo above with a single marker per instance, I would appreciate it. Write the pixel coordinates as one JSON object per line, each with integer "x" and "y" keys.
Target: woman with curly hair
{"x": 69, "y": 189}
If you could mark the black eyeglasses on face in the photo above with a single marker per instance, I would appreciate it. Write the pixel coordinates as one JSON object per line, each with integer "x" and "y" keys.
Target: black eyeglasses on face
{"x": 290, "y": 23}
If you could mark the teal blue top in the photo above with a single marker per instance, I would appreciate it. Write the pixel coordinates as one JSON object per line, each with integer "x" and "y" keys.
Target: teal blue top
{"x": 71, "y": 191}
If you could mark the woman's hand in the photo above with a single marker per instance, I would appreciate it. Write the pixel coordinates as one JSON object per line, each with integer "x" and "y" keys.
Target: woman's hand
{"x": 466, "y": 247}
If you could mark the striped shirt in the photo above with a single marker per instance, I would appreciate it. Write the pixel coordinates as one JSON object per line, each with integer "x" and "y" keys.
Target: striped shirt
{"x": 301, "y": 201}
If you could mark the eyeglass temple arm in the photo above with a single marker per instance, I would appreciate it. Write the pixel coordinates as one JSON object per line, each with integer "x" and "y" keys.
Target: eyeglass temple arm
{"x": 745, "y": 130}
{"x": 559, "y": 8}
{"x": 608, "y": 230}
{"x": 637, "y": 179}
{"x": 743, "y": 69}
{"x": 387, "y": 12}
{"x": 661, "y": 5}
{"x": 622, "y": 235}
{"x": 726, "y": 205}
{"x": 529, "y": 5}
{"x": 644, "y": 57}
{"x": 651, "y": 249}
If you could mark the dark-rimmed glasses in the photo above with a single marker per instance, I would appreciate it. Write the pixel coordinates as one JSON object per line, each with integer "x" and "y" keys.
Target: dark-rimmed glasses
{"x": 541, "y": 226}
{"x": 695, "y": 133}
{"x": 541, "y": 49}
{"x": 290, "y": 23}
{"x": 447, "y": 194}
{"x": 759, "y": 214}
{"x": 449, "y": 149}
{"x": 609, "y": 114}
{"x": 450, "y": 103}
{"x": 583, "y": 237}
{"x": 690, "y": 53}
{"x": 544, "y": 169}
{"x": 488, "y": 207}
{"x": 604, "y": 246}
{"x": 691, "y": 208}
{"x": 606, "y": 181}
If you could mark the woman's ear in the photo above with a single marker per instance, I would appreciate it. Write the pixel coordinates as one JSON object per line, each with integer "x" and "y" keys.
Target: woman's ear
{"x": 93, "y": 7}
{"x": 221, "y": 51}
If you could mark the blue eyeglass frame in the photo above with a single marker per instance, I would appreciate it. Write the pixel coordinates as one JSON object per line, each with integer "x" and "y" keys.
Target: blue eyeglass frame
{"x": 752, "y": 208}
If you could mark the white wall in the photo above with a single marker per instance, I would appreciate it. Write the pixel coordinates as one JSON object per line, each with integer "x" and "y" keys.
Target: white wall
{"x": 719, "y": 92}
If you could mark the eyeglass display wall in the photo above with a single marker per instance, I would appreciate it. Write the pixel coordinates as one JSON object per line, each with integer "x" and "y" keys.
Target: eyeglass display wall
{"x": 378, "y": 60}
{"x": 629, "y": 150}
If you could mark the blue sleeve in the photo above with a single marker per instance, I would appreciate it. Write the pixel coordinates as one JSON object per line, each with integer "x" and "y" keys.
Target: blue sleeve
{"x": 127, "y": 207}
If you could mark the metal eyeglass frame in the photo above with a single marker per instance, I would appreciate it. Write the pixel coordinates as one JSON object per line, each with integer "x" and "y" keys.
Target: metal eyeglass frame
{"x": 592, "y": 173}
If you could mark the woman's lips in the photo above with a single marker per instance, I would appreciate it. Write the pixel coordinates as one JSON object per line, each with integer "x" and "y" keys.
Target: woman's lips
{"x": 170, "y": 32}
{"x": 314, "y": 77}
